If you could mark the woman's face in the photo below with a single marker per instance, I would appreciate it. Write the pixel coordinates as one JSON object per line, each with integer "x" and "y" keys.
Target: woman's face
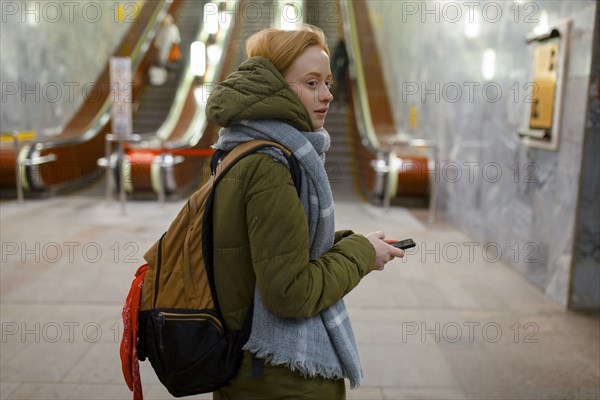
{"x": 309, "y": 76}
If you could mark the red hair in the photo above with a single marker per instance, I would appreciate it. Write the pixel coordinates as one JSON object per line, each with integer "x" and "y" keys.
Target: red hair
{"x": 283, "y": 47}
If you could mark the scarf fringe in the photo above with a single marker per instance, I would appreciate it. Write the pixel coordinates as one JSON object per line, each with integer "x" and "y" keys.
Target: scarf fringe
{"x": 306, "y": 368}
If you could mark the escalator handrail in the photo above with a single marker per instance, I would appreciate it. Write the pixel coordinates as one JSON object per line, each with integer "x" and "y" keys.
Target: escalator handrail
{"x": 199, "y": 123}
{"x": 366, "y": 129}
{"x": 104, "y": 115}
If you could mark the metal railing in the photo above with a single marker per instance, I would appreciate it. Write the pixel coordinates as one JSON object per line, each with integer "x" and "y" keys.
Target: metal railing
{"x": 165, "y": 161}
{"x": 18, "y": 138}
{"x": 102, "y": 117}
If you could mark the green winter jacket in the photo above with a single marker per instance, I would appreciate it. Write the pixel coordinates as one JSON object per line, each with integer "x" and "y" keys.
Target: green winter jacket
{"x": 261, "y": 238}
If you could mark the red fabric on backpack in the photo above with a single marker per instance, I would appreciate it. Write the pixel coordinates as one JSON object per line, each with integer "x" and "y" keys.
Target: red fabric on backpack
{"x": 128, "y": 351}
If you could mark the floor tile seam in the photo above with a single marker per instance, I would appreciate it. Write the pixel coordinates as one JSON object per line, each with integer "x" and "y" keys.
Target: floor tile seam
{"x": 68, "y": 395}
{"x": 440, "y": 398}
{"x": 545, "y": 312}
{"x": 410, "y": 387}
{"x": 43, "y": 382}
{"x": 33, "y": 383}
{"x": 9, "y": 394}
{"x": 103, "y": 383}
{"x": 60, "y": 303}
{"x": 17, "y": 354}
{"x": 463, "y": 389}
{"x": 79, "y": 359}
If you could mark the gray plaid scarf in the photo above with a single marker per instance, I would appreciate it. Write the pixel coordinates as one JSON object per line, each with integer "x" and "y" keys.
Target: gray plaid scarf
{"x": 324, "y": 344}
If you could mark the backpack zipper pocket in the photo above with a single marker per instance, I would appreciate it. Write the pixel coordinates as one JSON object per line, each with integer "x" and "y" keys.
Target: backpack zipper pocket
{"x": 162, "y": 317}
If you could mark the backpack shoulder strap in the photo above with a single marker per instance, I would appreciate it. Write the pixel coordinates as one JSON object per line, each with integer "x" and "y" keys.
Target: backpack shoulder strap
{"x": 220, "y": 165}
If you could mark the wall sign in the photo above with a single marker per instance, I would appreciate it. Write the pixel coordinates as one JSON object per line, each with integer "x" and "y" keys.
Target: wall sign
{"x": 121, "y": 84}
{"x": 547, "y": 73}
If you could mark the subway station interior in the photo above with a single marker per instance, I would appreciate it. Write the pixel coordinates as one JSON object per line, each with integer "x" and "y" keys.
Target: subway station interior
{"x": 472, "y": 127}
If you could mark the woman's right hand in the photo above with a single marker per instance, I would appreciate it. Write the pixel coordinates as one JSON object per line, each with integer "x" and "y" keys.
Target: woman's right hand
{"x": 384, "y": 252}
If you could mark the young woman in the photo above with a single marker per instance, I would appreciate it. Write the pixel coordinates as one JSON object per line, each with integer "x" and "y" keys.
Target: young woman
{"x": 276, "y": 250}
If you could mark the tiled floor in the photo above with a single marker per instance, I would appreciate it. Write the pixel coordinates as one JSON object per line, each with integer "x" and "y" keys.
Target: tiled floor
{"x": 442, "y": 324}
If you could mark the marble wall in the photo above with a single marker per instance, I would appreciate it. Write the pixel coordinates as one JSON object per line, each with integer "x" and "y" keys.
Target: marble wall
{"x": 464, "y": 67}
{"x": 51, "y": 55}
{"x": 585, "y": 285}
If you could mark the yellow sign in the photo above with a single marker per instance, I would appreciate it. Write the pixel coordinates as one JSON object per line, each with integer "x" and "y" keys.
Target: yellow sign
{"x": 21, "y": 136}
{"x": 545, "y": 57}
{"x": 413, "y": 117}
{"x": 128, "y": 12}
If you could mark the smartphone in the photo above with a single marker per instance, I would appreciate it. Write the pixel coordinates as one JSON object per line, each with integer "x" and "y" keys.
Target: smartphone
{"x": 404, "y": 244}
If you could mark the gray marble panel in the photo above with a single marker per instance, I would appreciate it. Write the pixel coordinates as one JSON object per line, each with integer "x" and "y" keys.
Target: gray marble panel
{"x": 585, "y": 287}
{"x": 52, "y": 53}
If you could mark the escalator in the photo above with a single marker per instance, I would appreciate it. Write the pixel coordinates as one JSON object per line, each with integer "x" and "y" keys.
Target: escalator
{"x": 176, "y": 161}
{"x": 162, "y": 113}
{"x": 176, "y": 138}
{"x": 156, "y": 101}
{"x": 361, "y": 125}
{"x": 172, "y": 157}
{"x": 77, "y": 148}
{"x": 339, "y": 165}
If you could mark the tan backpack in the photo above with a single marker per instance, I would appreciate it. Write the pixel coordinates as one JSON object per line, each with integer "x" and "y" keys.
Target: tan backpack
{"x": 181, "y": 330}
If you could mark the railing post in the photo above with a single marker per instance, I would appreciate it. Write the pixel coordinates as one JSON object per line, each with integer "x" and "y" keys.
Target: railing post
{"x": 121, "y": 166}
{"x": 382, "y": 170}
{"x": 108, "y": 167}
{"x": 387, "y": 195}
{"x": 433, "y": 187}
{"x": 19, "y": 182}
{"x": 119, "y": 163}
{"x": 161, "y": 175}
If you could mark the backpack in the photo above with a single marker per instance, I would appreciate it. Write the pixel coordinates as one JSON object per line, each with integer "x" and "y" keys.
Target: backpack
{"x": 180, "y": 327}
